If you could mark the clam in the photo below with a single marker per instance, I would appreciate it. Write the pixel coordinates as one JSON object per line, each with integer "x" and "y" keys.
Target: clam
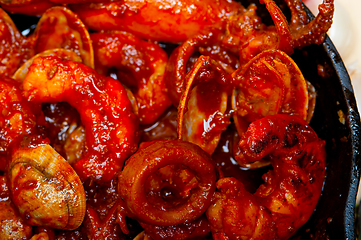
{"x": 45, "y": 188}
{"x": 59, "y": 27}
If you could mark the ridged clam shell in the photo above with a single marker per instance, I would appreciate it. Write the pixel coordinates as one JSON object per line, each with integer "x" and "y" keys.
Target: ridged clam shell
{"x": 46, "y": 189}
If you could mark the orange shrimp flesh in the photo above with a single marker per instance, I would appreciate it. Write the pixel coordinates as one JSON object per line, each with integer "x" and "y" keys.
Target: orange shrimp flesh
{"x": 198, "y": 229}
{"x": 105, "y": 110}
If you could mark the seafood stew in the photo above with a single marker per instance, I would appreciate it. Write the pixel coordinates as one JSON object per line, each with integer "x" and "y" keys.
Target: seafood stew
{"x": 163, "y": 137}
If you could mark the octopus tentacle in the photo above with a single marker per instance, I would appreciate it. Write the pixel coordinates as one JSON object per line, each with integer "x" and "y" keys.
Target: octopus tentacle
{"x": 314, "y": 31}
{"x": 298, "y": 14}
{"x": 177, "y": 64}
{"x": 281, "y": 25}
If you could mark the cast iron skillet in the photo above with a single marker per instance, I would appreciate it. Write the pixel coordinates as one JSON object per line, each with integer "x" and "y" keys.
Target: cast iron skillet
{"x": 334, "y": 217}
{"x": 337, "y": 121}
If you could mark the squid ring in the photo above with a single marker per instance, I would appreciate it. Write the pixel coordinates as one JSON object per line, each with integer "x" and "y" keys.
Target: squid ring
{"x": 150, "y": 159}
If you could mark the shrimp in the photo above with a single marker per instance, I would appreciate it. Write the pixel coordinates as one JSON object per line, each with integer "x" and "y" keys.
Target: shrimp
{"x": 166, "y": 21}
{"x": 248, "y": 36}
{"x": 139, "y": 65}
{"x": 111, "y": 127}
{"x": 291, "y": 189}
{"x": 61, "y": 122}
{"x": 65, "y": 54}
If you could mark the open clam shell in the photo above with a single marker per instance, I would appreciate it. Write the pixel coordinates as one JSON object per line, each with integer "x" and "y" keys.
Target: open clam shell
{"x": 59, "y": 27}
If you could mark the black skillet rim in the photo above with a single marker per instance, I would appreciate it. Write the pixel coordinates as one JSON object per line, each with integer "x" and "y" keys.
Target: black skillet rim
{"x": 330, "y": 222}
